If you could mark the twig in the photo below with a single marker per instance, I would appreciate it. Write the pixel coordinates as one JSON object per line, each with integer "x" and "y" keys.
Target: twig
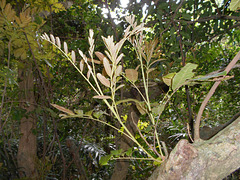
{"x": 140, "y": 133}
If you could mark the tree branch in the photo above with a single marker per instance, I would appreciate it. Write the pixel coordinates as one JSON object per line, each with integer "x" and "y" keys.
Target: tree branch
{"x": 209, "y": 95}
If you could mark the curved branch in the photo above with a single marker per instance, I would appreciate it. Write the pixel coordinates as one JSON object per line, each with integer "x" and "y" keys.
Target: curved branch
{"x": 209, "y": 95}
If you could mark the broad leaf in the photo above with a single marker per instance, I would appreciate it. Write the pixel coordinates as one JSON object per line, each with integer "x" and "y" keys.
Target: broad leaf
{"x": 234, "y": 5}
{"x": 168, "y": 79}
{"x": 79, "y": 112}
{"x": 116, "y": 152}
{"x": 158, "y": 110}
{"x": 104, "y": 160}
{"x": 184, "y": 74}
{"x": 131, "y": 74}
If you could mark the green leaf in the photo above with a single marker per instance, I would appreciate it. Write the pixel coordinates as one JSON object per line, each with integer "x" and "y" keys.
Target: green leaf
{"x": 168, "y": 79}
{"x": 234, "y": 5}
{"x": 184, "y": 74}
{"x": 207, "y": 77}
{"x": 116, "y": 152}
{"x": 156, "y": 162}
{"x": 159, "y": 109}
{"x": 104, "y": 160}
{"x": 129, "y": 152}
{"x": 79, "y": 112}
{"x": 98, "y": 114}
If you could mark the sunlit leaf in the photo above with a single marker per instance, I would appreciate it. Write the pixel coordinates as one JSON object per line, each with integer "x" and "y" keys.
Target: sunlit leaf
{"x": 58, "y": 42}
{"x": 118, "y": 70}
{"x": 157, "y": 162}
{"x": 119, "y": 58}
{"x": 73, "y": 56}
{"x": 100, "y": 55}
{"x": 65, "y": 47}
{"x": 98, "y": 114}
{"x": 168, "y": 79}
{"x": 107, "y": 67}
{"x": 129, "y": 152}
{"x": 184, "y": 74}
{"x": 88, "y": 74}
{"x": 234, "y": 5}
{"x": 103, "y": 80}
{"x": 207, "y": 77}
{"x": 141, "y": 109}
{"x": 104, "y": 160}
{"x": 52, "y": 38}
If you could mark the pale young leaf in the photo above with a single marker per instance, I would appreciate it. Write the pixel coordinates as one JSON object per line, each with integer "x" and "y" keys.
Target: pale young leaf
{"x": 81, "y": 65}
{"x": 150, "y": 70}
{"x": 91, "y": 33}
{"x": 65, "y": 47}
{"x": 101, "y": 97}
{"x": 73, "y": 56}
{"x": 79, "y": 112}
{"x": 118, "y": 70}
{"x": 120, "y": 86}
{"x": 119, "y": 58}
{"x": 131, "y": 74}
{"x": 127, "y": 31}
{"x": 88, "y": 74}
{"x": 81, "y": 53}
{"x": 60, "y": 108}
{"x": 107, "y": 67}
{"x": 58, "y": 42}
{"x": 52, "y": 38}
{"x": 46, "y": 37}
{"x": 103, "y": 80}
{"x": 100, "y": 56}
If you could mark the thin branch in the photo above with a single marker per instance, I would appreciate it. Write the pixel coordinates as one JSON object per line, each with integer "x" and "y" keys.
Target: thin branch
{"x": 140, "y": 133}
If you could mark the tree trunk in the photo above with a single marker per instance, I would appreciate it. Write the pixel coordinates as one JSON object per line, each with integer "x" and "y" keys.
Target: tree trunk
{"x": 212, "y": 159}
{"x": 27, "y": 149}
{"x": 74, "y": 150}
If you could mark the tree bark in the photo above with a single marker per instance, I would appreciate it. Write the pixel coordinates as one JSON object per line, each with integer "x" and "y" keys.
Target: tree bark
{"x": 27, "y": 149}
{"x": 77, "y": 160}
{"x": 212, "y": 159}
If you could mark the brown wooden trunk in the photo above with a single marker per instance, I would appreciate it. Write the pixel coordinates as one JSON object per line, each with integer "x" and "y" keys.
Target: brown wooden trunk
{"x": 27, "y": 149}
{"x": 212, "y": 159}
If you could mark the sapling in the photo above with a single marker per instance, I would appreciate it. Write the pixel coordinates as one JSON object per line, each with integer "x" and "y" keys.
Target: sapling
{"x": 147, "y": 54}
